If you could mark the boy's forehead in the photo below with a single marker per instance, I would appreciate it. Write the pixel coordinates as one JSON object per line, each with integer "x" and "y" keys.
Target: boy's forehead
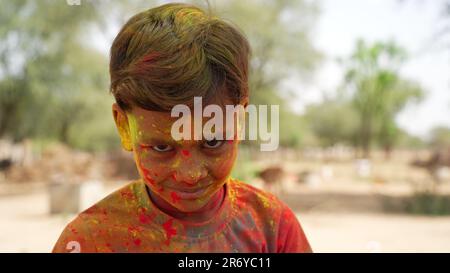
{"x": 148, "y": 123}
{"x": 148, "y": 117}
{"x": 156, "y": 123}
{"x": 145, "y": 116}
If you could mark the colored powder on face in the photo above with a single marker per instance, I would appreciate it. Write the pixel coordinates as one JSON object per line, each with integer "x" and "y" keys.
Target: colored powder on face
{"x": 146, "y": 174}
{"x": 176, "y": 164}
{"x": 132, "y": 123}
{"x": 175, "y": 197}
{"x": 186, "y": 153}
{"x": 170, "y": 231}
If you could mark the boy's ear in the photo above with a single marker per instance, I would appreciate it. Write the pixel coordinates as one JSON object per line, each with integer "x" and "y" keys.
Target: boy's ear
{"x": 245, "y": 102}
{"x": 121, "y": 120}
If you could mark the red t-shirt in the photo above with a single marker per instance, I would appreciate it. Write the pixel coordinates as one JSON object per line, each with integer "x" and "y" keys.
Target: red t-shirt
{"x": 249, "y": 220}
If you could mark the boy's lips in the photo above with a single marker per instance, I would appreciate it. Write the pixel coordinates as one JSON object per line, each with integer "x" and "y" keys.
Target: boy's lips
{"x": 190, "y": 193}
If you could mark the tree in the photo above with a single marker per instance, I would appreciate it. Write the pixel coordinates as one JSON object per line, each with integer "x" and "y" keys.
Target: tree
{"x": 378, "y": 92}
{"x": 402, "y": 92}
{"x": 48, "y": 74}
{"x": 332, "y": 121}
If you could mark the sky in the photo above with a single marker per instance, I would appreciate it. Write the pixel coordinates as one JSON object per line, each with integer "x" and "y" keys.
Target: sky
{"x": 412, "y": 24}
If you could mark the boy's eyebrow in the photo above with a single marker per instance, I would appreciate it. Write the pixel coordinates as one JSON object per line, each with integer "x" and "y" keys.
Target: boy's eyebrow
{"x": 168, "y": 140}
{"x": 158, "y": 140}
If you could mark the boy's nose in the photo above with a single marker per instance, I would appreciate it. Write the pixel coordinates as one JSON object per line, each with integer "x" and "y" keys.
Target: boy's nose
{"x": 190, "y": 173}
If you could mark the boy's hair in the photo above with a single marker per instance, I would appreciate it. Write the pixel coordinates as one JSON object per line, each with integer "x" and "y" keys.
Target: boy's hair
{"x": 167, "y": 55}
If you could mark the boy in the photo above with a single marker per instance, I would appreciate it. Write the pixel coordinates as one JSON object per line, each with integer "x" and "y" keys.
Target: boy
{"x": 186, "y": 200}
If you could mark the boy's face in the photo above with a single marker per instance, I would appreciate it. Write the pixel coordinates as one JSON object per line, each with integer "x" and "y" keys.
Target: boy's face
{"x": 185, "y": 173}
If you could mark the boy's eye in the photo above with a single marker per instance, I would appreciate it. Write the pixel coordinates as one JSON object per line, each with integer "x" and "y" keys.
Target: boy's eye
{"x": 162, "y": 148}
{"x": 212, "y": 144}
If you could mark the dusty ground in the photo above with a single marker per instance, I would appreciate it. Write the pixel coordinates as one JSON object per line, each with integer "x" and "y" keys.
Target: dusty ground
{"x": 367, "y": 232}
{"x": 27, "y": 227}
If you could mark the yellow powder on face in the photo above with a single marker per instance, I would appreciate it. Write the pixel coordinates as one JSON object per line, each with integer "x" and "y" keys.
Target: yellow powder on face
{"x": 177, "y": 162}
{"x": 124, "y": 133}
{"x": 133, "y": 125}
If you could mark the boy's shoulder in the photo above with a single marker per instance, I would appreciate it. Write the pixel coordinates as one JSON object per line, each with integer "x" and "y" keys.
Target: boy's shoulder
{"x": 112, "y": 211}
{"x": 245, "y": 195}
{"x": 275, "y": 219}
{"x": 126, "y": 198}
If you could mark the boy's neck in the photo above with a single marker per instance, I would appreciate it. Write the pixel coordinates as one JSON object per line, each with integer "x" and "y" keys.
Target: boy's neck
{"x": 201, "y": 215}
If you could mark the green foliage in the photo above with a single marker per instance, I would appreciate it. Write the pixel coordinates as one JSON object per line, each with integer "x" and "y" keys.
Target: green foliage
{"x": 428, "y": 203}
{"x": 333, "y": 122}
{"x": 51, "y": 81}
{"x": 279, "y": 32}
{"x": 378, "y": 92}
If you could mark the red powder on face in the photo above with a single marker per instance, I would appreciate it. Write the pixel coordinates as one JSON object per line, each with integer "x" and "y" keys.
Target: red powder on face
{"x": 175, "y": 197}
{"x": 170, "y": 231}
{"x": 146, "y": 174}
{"x": 186, "y": 153}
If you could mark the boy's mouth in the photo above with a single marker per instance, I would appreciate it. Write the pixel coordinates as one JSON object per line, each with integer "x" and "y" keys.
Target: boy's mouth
{"x": 190, "y": 193}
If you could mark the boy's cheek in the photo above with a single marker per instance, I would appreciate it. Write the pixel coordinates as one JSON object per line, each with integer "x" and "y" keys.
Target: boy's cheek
{"x": 222, "y": 166}
{"x": 147, "y": 170}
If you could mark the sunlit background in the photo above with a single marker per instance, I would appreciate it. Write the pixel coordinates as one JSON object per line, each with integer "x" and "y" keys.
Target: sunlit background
{"x": 364, "y": 95}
